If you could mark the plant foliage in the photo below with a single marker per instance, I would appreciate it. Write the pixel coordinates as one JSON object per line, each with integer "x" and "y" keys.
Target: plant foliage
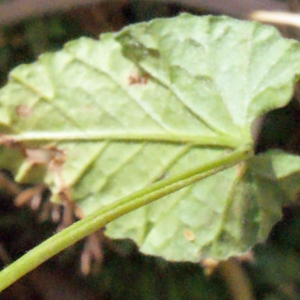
{"x": 100, "y": 120}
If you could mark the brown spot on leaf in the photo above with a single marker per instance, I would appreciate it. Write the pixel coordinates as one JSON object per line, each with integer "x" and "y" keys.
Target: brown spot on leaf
{"x": 189, "y": 235}
{"x": 88, "y": 107}
{"x": 9, "y": 142}
{"x": 50, "y": 156}
{"x": 53, "y": 159}
{"x": 138, "y": 79}
{"x": 23, "y": 110}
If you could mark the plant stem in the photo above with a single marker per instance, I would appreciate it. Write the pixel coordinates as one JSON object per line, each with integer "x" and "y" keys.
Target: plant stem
{"x": 103, "y": 216}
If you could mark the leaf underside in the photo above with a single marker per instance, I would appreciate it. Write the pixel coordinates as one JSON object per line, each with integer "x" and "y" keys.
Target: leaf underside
{"x": 150, "y": 102}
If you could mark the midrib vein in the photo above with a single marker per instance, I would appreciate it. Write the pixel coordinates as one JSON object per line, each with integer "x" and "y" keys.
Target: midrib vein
{"x": 123, "y": 136}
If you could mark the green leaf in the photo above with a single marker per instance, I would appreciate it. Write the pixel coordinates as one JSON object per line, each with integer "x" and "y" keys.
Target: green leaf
{"x": 107, "y": 118}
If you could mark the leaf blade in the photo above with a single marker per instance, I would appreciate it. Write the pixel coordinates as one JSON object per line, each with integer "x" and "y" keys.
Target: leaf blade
{"x": 147, "y": 103}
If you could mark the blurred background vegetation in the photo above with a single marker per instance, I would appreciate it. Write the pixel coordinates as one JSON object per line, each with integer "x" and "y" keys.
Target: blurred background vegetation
{"x": 117, "y": 271}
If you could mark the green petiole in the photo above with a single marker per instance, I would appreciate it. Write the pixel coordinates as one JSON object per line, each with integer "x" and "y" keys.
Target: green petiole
{"x": 103, "y": 216}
